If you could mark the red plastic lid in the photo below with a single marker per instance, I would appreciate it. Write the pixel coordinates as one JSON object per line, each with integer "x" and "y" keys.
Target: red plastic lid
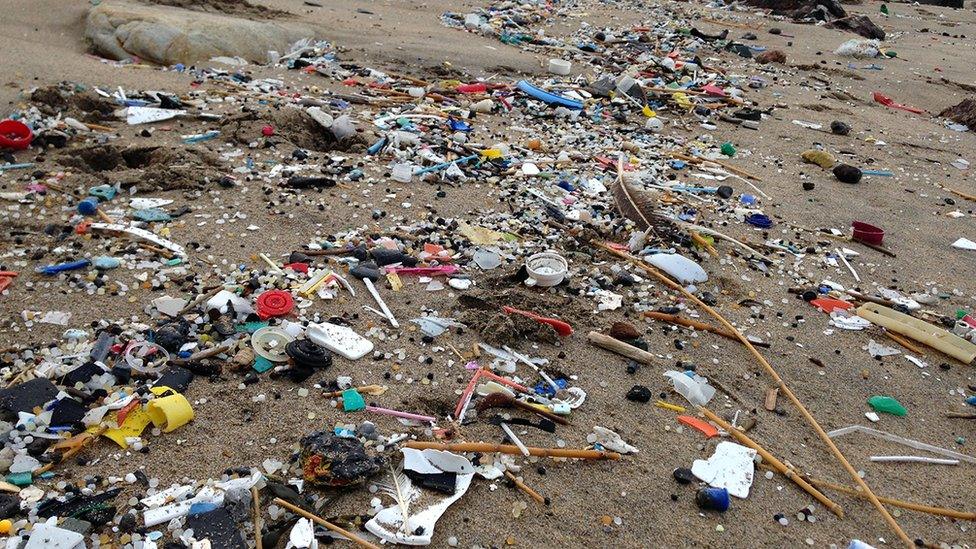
{"x": 275, "y": 303}
{"x": 15, "y": 135}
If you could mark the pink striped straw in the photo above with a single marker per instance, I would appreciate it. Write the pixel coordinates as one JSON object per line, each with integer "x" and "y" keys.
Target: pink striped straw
{"x": 466, "y": 395}
{"x": 404, "y": 415}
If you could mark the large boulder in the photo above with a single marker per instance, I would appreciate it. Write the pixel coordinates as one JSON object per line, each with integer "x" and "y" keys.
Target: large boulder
{"x": 168, "y": 35}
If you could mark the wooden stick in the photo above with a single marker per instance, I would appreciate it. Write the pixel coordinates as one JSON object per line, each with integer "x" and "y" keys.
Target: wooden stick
{"x": 522, "y": 486}
{"x": 896, "y": 502}
{"x": 365, "y": 389}
{"x": 487, "y": 448}
{"x": 726, "y": 165}
{"x": 258, "y": 542}
{"x": 961, "y": 194}
{"x": 779, "y": 382}
{"x": 322, "y": 522}
{"x": 621, "y": 348}
{"x": 903, "y": 342}
{"x": 200, "y": 355}
{"x": 689, "y": 323}
{"x": 776, "y": 464}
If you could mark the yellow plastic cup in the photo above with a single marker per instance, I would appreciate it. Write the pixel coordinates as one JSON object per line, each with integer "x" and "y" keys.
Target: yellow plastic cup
{"x": 170, "y": 412}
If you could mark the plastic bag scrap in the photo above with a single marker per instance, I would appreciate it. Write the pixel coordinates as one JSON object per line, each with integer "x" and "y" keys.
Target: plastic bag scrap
{"x": 418, "y": 527}
{"x": 730, "y": 467}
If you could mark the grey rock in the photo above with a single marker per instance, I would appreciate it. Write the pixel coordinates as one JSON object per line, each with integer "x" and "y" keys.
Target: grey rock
{"x": 168, "y": 35}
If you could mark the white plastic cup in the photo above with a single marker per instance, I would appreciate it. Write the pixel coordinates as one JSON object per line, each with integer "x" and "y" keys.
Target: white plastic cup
{"x": 560, "y": 66}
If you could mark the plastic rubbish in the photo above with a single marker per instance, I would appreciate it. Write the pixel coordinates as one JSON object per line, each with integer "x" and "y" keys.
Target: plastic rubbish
{"x": 62, "y": 267}
{"x": 611, "y": 441}
{"x": 15, "y": 135}
{"x": 270, "y": 342}
{"x": 547, "y": 97}
{"x": 731, "y": 467}
{"x": 859, "y": 49}
{"x": 694, "y": 388}
{"x": 273, "y": 303}
{"x": 678, "y": 267}
{"x": 417, "y": 528}
{"x": 867, "y": 233}
{"x": 919, "y": 330}
{"x": 341, "y": 340}
{"x": 169, "y": 412}
{"x": 900, "y": 440}
{"x": 887, "y": 405}
{"x": 47, "y": 535}
{"x": 546, "y": 269}
{"x": 889, "y": 102}
{"x": 560, "y": 67}
{"x": 713, "y": 499}
{"x": 146, "y": 357}
{"x": 148, "y": 115}
{"x": 964, "y": 244}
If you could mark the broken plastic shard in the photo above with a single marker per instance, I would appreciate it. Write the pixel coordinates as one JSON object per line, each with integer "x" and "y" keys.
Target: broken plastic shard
{"x": 678, "y": 267}
{"x": 47, "y": 535}
{"x": 611, "y": 441}
{"x": 434, "y": 326}
{"x": 730, "y": 467}
{"x": 487, "y": 259}
{"x": 964, "y": 244}
{"x": 607, "y": 300}
{"x": 147, "y": 115}
{"x": 876, "y": 349}
{"x": 694, "y": 388}
{"x": 887, "y": 405}
{"x": 140, "y": 233}
{"x": 169, "y": 306}
{"x": 302, "y": 535}
{"x": 847, "y": 321}
{"x": 224, "y": 301}
{"x": 418, "y": 529}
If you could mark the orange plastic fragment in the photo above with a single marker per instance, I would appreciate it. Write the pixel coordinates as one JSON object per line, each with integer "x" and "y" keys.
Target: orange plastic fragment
{"x": 829, "y": 305}
{"x": 706, "y": 428}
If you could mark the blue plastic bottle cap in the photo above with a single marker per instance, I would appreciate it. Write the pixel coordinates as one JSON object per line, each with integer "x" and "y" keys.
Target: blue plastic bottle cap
{"x": 88, "y": 206}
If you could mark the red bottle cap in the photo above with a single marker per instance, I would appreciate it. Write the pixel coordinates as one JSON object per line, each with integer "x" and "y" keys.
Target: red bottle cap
{"x": 275, "y": 303}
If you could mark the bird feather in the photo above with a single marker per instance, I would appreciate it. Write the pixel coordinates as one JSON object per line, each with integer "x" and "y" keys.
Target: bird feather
{"x": 398, "y": 488}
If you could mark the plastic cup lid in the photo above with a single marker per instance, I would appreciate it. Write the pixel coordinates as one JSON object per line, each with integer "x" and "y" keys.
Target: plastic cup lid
{"x": 146, "y": 357}
{"x": 269, "y": 342}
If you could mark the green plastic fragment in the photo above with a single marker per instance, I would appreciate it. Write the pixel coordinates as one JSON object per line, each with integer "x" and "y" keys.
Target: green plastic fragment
{"x": 887, "y": 405}
{"x": 251, "y": 327}
{"x": 262, "y": 365}
{"x": 20, "y": 479}
{"x": 352, "y": 401}
{"x": 728, "y": 149}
